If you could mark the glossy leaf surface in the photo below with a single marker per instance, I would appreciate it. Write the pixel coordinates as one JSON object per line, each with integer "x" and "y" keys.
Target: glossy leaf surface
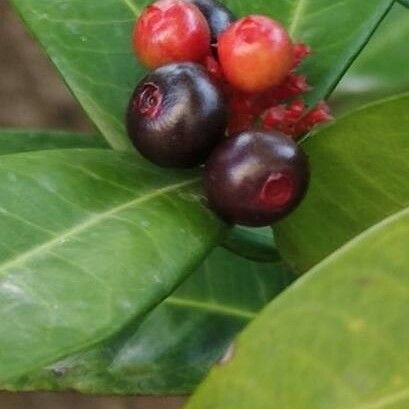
{"x": 359, "y": 176}
{"x": 173, "y": 347}
{"x": 18, "y": 141}
{"x": 381, "y": 69}
{"x": 256, "y": 244}
{"x": 90, "y": 44}
{"x": 89, "y": 240}
{"x": 335, "y": 339}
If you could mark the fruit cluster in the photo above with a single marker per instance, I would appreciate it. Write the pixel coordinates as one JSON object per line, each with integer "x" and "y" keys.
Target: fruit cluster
{"x": 224, "y": 92}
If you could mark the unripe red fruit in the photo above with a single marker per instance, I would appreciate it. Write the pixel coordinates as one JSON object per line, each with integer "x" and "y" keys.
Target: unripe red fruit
{"x": 171, "y": 31}
{"x": 256, "y": 54}
{"x": 256, "y": 178}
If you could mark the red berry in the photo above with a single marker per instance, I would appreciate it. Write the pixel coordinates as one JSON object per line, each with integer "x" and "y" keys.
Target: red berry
{"x": 171, "y": 31}
{"x": 256, "y": 178}
{"x": 256, "y": 53}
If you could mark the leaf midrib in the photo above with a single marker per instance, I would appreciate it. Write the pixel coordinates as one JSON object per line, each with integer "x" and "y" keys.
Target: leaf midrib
{"x": 387, "y": 400}
{"x": 210, "y": 307}
{"x": 296, "y": 16}
{"x": 131, "y": 6}
{"x": 92, "y": 222}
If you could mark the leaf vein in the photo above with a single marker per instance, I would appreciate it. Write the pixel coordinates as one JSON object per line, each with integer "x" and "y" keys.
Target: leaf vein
{"x": 92, "y": 222}
{"x": 211, "y": 307}
{"x": 296, "y": 16}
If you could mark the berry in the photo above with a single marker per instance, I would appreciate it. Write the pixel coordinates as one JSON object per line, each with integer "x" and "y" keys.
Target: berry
{"x": 217, "y": 15}
{"x": 256, "y": 54}
{"x": 171, "y": 31}
{"x": 176, "y": 115}
{"x": 256, "y": 178}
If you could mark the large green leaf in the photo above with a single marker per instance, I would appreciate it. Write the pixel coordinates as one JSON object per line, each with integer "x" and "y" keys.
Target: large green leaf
{"x": 200, "y": 319}
{"x": 18, "y": 141}
{"x": 89, "y": 41}
{"x": 254, "y": 244}
{"x": 89, "y": 240}
{"x": 338, "y": 338}
{"x": 175, "y": 345}
{"x": 381, "y": 69}
{"x": 359, "y": 175}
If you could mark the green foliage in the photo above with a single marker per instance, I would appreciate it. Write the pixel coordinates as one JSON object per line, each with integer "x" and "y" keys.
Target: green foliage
{"x": 337, "y": 338}
{"x": 359, "y": 176}
{"x": 89, "y": 42}
{"x": 172, "y": 348}
{"x": 381, "y": 69}
{"x": 254, "y": 244}
{"x": 90, "y": 240}
{"x": 154, "y": 354}
{"x": 18, "y": 141}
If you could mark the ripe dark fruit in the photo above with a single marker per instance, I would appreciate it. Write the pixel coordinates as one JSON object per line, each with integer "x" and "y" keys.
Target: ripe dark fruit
{"x": 256, "y": 54}
{"x": 256, "y": 178}
{"x": 176, "y": 115}
{"x": 218, "y": 16}
{"x": 171, "y": 31}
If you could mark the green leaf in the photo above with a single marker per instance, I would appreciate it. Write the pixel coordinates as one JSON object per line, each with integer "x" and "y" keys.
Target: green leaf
{"x": 253, "y": 244}
{"x": 404, "y": 2}
{"x": 381, "y": 69}
{"x": 90, "y": 44}
{"x": 176, "y": 344}
{"x": 359, "y": 176}
{"x": 89, "y": 240}
{"x": 338, "y": 338}
{"x": 18, "y": 141}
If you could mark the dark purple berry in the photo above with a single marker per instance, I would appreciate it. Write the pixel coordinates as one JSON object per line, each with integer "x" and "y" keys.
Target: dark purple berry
{"x": 218, "y": 16}
{"x": 256, "y": 178}
{"x": 176, "y": 115}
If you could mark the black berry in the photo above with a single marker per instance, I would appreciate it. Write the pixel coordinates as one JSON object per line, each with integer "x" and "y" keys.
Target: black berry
{"x": 256, "y": 178}
{"x": 176, "y": 115}
{"x": 217, "y": 15}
